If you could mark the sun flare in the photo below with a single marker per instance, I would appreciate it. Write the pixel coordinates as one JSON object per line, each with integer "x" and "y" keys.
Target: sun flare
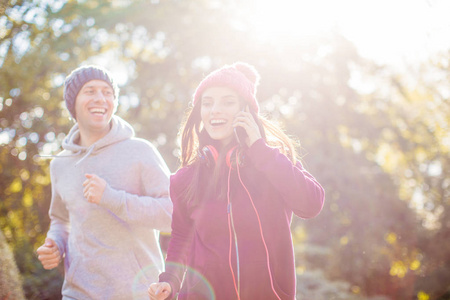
{"x": 285, "y": 18}
{"x": 383, "y": 30}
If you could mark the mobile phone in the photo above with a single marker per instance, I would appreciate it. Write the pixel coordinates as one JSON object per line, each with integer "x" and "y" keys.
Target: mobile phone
{"x": 241, "y": 135}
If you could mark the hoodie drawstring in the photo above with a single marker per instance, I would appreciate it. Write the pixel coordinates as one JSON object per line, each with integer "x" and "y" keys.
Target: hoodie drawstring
{"x": 54, "y": 156}
{"x": 88, "y": 152}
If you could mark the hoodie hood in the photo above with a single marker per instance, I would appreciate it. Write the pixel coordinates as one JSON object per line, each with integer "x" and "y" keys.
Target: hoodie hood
{"x": 120, "y": 130}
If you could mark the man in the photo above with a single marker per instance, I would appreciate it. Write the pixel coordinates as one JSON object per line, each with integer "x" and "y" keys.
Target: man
{"x": 109, "y": 198}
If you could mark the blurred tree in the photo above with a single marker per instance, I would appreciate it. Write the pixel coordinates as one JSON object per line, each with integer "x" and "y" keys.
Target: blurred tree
{"x": 10, "y": 283}
{"x": 411, "y": 115}
{"x": 36, "y": 53}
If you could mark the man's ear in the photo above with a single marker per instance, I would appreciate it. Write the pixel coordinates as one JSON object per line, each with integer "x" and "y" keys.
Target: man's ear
{"x": 116, "y": 105}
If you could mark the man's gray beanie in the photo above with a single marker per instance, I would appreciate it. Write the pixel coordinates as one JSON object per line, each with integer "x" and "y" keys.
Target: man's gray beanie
{"x": 79, "y": 77}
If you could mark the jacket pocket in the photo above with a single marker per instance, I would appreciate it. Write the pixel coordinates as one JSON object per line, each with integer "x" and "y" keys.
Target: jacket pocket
{"x": 71, "y": 268}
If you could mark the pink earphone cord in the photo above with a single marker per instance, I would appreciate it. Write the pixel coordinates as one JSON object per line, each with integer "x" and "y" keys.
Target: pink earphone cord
{"x": 260, "y": 229}
{"x": 229, "y": 231}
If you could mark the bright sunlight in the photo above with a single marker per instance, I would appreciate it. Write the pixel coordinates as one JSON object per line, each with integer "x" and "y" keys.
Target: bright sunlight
{"x": 286, "y": 18}
{"x": 385, "y": 31}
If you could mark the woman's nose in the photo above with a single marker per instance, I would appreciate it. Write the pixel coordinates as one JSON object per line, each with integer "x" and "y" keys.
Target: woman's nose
{"x": 215, "y": 108}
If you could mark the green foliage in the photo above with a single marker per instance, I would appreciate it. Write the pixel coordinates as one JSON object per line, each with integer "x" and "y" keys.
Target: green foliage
{"x": 382, "y": 155}
{"x": 412, "y": 146}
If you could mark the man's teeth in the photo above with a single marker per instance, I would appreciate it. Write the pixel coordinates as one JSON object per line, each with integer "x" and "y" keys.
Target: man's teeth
{"x": 98, "y": 110}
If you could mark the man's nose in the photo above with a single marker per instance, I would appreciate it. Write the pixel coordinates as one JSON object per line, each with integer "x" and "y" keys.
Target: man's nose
{"x": 99, "y": 96}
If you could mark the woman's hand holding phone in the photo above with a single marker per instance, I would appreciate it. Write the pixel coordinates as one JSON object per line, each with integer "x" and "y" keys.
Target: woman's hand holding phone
{"x": 245, "y": 128}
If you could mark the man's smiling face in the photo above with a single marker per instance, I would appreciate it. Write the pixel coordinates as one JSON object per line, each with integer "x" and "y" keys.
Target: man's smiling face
{"x": 95, "y": 105}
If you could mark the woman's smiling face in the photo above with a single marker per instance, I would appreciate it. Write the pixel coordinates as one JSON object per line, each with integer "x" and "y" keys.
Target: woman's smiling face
{"x": 219, "y": 105}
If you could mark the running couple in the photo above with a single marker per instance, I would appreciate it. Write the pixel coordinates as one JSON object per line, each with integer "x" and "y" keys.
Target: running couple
{"x": 233, "y": 198}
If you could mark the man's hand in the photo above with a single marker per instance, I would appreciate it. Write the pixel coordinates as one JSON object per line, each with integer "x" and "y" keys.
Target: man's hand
{"x": 159, "y": 291}
{"x": 49, "y": 254}
{"x": 94, "y": 187}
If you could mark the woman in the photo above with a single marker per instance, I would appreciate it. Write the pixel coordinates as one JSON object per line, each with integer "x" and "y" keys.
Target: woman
{"x": 233, "y": 198}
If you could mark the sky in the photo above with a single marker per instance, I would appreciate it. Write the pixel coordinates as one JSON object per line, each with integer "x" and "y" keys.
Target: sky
{"x": 387, "y": 31}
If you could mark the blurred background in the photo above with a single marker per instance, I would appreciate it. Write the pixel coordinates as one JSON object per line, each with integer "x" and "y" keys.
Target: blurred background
{"x": 364, "y": 85}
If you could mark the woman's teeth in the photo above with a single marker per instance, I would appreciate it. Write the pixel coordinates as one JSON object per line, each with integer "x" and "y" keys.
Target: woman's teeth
{"x": 217, "y": 122}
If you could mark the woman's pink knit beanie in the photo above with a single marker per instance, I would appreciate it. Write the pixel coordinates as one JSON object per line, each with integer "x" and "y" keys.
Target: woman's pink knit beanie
{"x": 240, "y": 77}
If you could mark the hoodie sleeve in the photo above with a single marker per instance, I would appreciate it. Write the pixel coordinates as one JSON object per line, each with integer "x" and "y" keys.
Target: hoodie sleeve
{"x": 153, "y": 208}
{"x": 59, "y": 216}
{"x": 182, "y": 233}
{"x": 301, "y": 191}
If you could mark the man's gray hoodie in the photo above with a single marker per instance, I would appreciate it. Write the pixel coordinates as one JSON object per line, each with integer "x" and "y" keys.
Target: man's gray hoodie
{"x": 111, "y": 249}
